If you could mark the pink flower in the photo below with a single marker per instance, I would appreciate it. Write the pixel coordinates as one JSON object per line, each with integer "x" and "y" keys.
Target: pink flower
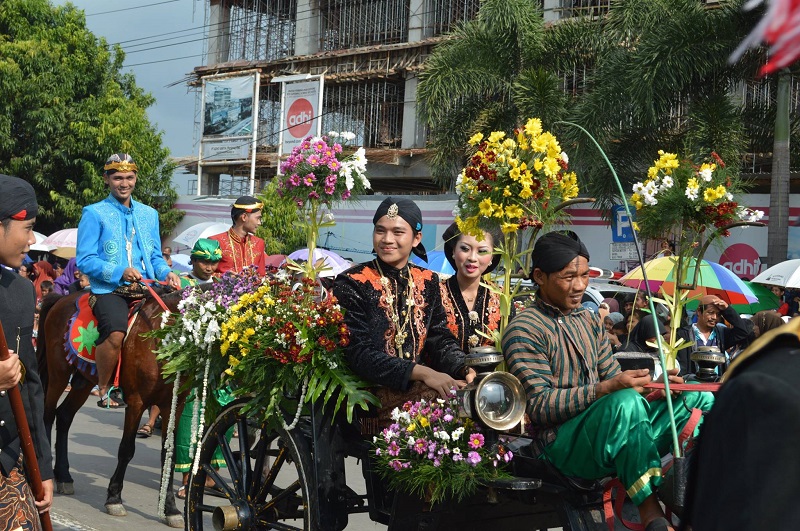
{"x": 476, "y": 440}
{"x": 346, "y": 194}
{"x": 309, "y": 179}
{"x": 313, "y": 159}
{"x": 334, "y": 165}
{"x": 337, "y": 148}
{"x": 313, "y": 195}
{"x": 420, "y": 446}
{"x": 473, "y": 458}
{"x": 396, "y": 465}
{"x": 320, "y": 146}
{"x": 393, "y": 449}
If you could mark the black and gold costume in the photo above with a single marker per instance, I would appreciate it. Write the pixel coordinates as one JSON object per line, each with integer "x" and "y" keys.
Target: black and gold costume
{"x": 471, "y": 328}
{"x": 388, "y": 336}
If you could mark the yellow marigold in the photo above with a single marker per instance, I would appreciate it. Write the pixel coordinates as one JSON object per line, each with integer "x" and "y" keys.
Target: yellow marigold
{"x": 411, "y": 427}
{"x": 710, "y": 195}
{"x": 692, "y": 183}
{"x": 506, "y": 192}
{"x": 514, "y": 174}
{"x": 233, "y": 361}
{"x": 569, "y": 186}
{"x": 538, "y": 165}
{"x": 476, "y": 139}
{"x": 652, "y": 171}
{"x": 485, "y": 207}
{"x": 498, "y": 211}
{"x": 551, "y": 167}
{"x": 509, "y": 228}
{"x": 525, "y": 193}
{"x": 423, "y": 421}
{"x": 469, "y": 226}
{"x": 509, "y": 144}
{"x": 223, "y": 348}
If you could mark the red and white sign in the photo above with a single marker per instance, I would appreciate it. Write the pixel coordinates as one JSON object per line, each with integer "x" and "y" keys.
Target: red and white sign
{"x": 302, "y": 104}
{"x": 742, "y": 259}
{"x": 299, "y": 118}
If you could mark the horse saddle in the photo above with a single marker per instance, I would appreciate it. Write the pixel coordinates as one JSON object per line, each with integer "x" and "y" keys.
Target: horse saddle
{"x": 82, "y": 332}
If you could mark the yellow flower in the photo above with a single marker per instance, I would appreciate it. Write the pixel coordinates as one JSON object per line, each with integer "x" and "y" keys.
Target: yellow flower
{"x": 411, "y": 427}
{"x": 423, "y": 421}
{"x": 533, "y": 127}
{"x": 538, "y": 165}
{"x": 652, "y": 171}
{"x": 514, "y": 174}
{"x": 551, "y": 167}
{"x": 232, "y": 361}
{"x": 514, "y": 211}
{"x": 223, "y": 348}
{"x": 509, "y": 228}
{"x": 525, "y": 193}
{"x": 635, "y": 226}
{"x": 476, "y": 139}
{"x": 485, "y": 207}
{"x": 496, "y": 136}
{"x": 506, "y": 192}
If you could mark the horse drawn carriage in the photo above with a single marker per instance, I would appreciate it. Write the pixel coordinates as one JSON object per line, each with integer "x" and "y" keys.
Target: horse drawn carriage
{"x": 297, "y": 479}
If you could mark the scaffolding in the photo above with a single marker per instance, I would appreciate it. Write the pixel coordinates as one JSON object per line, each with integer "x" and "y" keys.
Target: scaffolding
{"x": 260, "y": 30}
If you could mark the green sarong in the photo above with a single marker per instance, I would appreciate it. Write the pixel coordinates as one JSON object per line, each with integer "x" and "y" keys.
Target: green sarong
{"x": 183, "y": 435}
{"x": 622, "y": 434}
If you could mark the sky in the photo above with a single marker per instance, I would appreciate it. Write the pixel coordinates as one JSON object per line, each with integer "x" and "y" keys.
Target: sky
{"x": 154, "y": 34}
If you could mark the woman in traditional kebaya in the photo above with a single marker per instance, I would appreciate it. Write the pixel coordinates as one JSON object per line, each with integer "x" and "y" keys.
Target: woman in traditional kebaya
{"x": 473, "y": 310}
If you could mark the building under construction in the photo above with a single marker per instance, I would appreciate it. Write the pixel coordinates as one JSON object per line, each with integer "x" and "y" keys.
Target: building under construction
{"x": 370, "y": 52}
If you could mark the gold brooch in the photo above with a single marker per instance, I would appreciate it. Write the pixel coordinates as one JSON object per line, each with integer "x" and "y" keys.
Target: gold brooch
{"x": 392, "y": 212}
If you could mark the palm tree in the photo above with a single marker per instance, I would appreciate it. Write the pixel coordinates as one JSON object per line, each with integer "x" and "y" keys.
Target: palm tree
{"x": 661, "y": 80}
{"x": 487, "y": 76}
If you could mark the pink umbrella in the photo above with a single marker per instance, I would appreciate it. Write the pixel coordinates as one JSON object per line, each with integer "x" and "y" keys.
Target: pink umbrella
{"x": 62, "y": 238}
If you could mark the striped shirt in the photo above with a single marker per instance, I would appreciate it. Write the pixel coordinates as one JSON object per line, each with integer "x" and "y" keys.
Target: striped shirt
{"x": 559, "y": 359}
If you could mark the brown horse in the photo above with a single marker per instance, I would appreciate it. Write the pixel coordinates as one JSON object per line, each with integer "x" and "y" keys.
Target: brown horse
{"x": 140, "y": 378}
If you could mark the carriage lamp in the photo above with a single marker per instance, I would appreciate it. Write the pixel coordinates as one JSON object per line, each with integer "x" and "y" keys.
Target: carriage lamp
{"x": 496, "y": 401}
{"x": 710, "y": 362}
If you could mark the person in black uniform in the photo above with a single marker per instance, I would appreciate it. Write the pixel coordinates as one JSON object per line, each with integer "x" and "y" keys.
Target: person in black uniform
{"x": 18, "y": 209}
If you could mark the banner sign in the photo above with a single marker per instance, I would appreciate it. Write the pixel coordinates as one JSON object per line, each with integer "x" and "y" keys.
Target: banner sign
{"x": 300, "y": 116}
{"x": 228, "y": 118}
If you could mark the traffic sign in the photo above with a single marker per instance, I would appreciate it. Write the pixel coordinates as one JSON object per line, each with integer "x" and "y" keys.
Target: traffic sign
{"x": 623, "y": 251}
{"x": 621, "y": 229}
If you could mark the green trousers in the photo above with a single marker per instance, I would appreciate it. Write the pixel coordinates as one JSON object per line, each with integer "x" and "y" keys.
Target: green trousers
{"x": 625, "y": 435}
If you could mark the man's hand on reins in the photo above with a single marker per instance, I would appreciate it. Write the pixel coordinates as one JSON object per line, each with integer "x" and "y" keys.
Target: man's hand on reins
{"x": 173, "y": 280}
{"x": 131, "y": 274}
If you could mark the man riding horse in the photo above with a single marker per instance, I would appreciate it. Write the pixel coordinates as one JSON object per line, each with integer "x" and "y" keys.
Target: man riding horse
{"x": 118, "y": 245}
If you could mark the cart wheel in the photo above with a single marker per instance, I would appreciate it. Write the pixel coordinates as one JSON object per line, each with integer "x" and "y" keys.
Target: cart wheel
{"x": 263, "y": 483}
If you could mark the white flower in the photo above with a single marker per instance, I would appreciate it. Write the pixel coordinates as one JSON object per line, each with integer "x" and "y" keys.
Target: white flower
{"x": 564, "y": 157}
{"x": 442, "y": 435}
{"x": 706, "y": 174}
{"x": 348, "y": 181}
{"x": 637, "y": 188}
{"x": 729, "y": 196}
{"x": 333, "y": 134}
{"x": 347, "y": 135}
{"x": 457, "y": 433}
{"x": 666, "y": 182}
{"x": 456, "y": 450}
{"x": 692, "y": 192}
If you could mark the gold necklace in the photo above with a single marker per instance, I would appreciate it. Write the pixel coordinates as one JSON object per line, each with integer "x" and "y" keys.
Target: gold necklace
{"x": 400, "y": 333}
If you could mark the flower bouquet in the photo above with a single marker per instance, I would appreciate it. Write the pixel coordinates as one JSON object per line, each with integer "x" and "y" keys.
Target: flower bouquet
{"x": 284, "y": 339}
{"x": 696, "y": 200}
{"x": 429, "y": 452}
{"x": 513, "y": 184}
{"x": 319, "y": 174}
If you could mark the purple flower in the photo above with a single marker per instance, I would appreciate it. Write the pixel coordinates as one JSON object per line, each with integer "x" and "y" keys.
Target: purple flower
{"x": 309, "y": 179}
{"x": 448, "y": 417}
{"x": 396, "y": 465}
{"x": 437, "y": 463}
{"x": 458, "y": 457}
{"x": 313, "y": 195}
{"x": 377, "y": 451}
{"x": 346, "y": 194}
{"x": 473, "y": 458}
{"x": 393, "y": 449}
{"x": 419, "y": 446}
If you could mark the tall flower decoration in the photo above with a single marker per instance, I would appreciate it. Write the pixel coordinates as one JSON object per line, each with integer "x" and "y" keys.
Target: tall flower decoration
{"x": 697, "y": 201}
{"x": 513, "y": 184}
{"x": 318, "y": 174}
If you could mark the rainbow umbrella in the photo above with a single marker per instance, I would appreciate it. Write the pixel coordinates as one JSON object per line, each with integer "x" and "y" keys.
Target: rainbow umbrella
{"x": 712, "y": 279}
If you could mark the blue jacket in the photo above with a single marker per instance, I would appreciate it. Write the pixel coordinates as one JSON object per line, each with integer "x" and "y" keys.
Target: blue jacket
{"x": 103, "y": 231}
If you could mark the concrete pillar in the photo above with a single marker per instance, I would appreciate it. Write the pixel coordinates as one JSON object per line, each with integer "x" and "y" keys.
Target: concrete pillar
{"x": 413, "y": 129}
{"x": 218, "y": 30}
{"x": 552, "y": 10}
{"x": 308, "y": 31}
{"x": 416, "y": 20}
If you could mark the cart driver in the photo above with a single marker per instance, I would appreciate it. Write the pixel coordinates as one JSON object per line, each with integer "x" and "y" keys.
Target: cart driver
{"x": 394, "y": 310}
{"x": 560, "y": 353}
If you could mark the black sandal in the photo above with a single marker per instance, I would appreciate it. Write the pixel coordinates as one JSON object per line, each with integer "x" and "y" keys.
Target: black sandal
{"x": 144, "y": 432}
{"x": 112, "y": 395}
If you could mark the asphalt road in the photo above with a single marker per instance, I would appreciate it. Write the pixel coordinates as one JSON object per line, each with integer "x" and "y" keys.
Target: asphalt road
{"x": 94, "y": 440}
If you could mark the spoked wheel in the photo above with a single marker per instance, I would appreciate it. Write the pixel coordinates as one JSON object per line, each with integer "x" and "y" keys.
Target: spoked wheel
{"x": 263, "y": 483}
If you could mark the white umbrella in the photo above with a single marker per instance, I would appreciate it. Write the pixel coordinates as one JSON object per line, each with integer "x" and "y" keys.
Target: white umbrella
{"x": 62, "y": 238}
{"x": 39, "y": 245}
{"x": 180, "y": 262}
{"x": 336, "y": 263}
{"x": 200, "y": 230}
{"x": 785, "y": 274}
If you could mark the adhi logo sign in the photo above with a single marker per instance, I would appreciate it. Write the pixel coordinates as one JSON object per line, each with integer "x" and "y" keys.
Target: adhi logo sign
{"x": 299, "y": 118}
{"x": 742, "y": 259}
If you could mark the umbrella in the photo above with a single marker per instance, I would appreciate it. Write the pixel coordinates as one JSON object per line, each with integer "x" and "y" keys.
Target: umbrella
{"x": 180, "y": 262}
{"x": 64, "y": 252}
{"x": 275, "y": 260}
{"x": 62, "y": 238}
{"x": 200, "y": 230}
{"x": 336, "y": 263}
{"x": 436, "y": 262}
{"x": 39, "y": 246}
{"x": 712, "y": 279}
{"x": 766, "y": 300}
{"x": 785, "y": 274}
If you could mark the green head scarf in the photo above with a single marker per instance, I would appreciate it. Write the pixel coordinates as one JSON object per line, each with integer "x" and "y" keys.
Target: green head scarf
{"x": 206, "y": 249}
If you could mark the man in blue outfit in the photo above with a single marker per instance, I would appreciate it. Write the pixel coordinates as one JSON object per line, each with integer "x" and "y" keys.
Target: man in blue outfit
{"x": 118, "y": 245}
